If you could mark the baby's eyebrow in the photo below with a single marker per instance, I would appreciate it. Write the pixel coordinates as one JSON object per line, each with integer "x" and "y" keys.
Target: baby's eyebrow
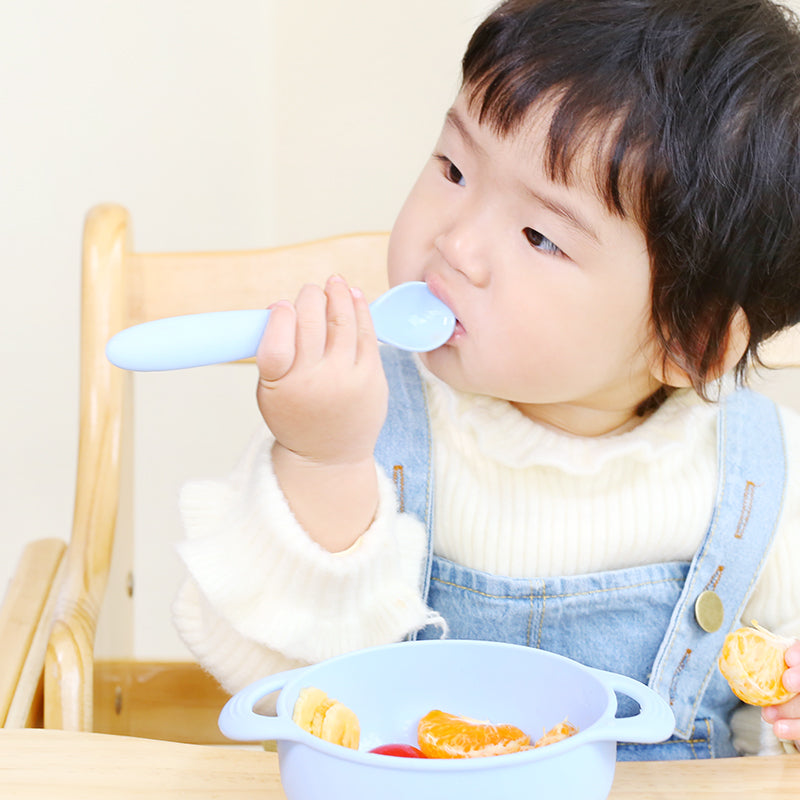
{"x": 574, "y": 219}
{"x": 569, "y": 215}
{"x": 454, "y": 118}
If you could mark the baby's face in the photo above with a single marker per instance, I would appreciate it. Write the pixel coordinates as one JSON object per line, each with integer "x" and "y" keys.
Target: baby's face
{"x": 551, "y": 290}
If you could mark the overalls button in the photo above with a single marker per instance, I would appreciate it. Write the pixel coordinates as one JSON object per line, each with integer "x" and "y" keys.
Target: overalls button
{"x": 709, "y": 611}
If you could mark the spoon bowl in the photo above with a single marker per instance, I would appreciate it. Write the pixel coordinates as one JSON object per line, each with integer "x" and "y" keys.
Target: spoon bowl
{"x": 408, "y": 316}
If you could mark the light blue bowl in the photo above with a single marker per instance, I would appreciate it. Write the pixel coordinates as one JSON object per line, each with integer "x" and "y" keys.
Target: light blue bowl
{"x": 391, "y": 687}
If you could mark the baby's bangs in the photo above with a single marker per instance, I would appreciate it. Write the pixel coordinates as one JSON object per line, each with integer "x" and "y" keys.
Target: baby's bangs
{"x": 580, "y": 69}
{"x": 587, "y": 127}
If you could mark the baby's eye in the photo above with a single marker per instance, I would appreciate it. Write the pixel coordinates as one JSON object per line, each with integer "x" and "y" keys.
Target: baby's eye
{"x": 451, "y": 171}
{"x": 541, "y": 242}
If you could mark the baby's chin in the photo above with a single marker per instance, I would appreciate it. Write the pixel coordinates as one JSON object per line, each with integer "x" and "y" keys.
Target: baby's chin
{"x": 444, "y": 364}
{"x": 439, "y": 363}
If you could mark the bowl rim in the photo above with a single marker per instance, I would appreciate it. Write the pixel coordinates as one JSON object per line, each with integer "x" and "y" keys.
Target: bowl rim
{"x": 364, "y": 757}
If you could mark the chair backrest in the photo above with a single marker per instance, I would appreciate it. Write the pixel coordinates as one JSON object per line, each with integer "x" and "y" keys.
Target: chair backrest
{"x": 780, "y": 379}
{"x": 783, "y": 350}
{"x": 122, "y": 287}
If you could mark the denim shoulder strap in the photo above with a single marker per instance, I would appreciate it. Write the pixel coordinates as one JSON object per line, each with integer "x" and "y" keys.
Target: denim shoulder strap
{"x": 752, "y": 471}
{"x": 404, "y": 445}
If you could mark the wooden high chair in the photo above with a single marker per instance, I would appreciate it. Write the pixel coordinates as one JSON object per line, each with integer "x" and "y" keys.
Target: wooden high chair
{"x": 59, "y": 594}
{"x": 26, "y": 617}
{"x": 122, "y": 287}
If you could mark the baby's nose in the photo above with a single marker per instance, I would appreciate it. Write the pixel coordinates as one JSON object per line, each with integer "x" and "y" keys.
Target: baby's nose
{"x": 464, "y": 246}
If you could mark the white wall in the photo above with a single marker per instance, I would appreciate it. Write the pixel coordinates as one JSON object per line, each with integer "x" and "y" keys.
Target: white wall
{"x": 219, "y": 125}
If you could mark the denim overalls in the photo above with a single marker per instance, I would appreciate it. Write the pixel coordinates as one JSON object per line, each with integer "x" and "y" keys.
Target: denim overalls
{"x": 639, "y": 621}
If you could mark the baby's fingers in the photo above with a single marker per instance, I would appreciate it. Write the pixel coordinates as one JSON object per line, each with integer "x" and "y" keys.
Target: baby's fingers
{"x": 791, "y": 677}
{"x": 367, "y": 347}
{"x": 785, "y": 718}
{"x": 276, "y": 351}
{"x": 340, "y": 319}
{"x": 792, "y": 657}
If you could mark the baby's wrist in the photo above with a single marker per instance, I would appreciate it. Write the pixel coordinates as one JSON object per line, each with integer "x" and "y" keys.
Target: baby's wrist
{"x": 286, "y": 457}
{"x": 335, "y": 502}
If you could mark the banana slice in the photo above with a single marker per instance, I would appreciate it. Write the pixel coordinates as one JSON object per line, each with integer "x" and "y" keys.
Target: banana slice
{"x": 318, "y": 720}
{"x": 326, "y": 718}
{"x": 306, "y": 704}
{"x": 340, "y": 726}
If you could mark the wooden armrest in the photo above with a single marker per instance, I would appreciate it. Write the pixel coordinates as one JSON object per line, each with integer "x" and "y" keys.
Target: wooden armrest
{"x": 25, "y": 620}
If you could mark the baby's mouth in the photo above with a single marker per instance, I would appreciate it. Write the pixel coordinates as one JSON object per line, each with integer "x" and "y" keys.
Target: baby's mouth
{"x": 458, "y": 331}
{"x": 437, "y": 290}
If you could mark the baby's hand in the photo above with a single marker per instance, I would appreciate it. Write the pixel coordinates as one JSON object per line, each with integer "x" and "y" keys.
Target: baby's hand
{"x": 785, "y": 718}
{"x": 323, "y": 393}
{"x": 321, "y": 388}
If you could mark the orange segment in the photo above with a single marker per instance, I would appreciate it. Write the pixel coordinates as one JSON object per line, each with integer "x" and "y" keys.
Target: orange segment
{"x": 443, "y": 735}
{"x": 752, "y": 662}
{"x": 558, "y": 732}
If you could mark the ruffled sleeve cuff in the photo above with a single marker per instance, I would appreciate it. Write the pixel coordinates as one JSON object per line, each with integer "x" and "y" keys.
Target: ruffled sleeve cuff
{"x": 227, "y": 655}
{"x": 261, "y": 572}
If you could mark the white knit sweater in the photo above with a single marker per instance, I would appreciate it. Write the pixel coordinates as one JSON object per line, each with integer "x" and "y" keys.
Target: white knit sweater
{"x": 512, "y": 497}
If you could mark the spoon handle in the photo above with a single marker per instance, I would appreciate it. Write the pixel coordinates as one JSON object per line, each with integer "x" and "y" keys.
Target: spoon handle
{"x": 192, "y": 340}
{"x": 408, "y": 316}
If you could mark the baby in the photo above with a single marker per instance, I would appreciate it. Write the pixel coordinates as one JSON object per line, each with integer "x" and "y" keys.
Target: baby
{"x": 612, "y": 211}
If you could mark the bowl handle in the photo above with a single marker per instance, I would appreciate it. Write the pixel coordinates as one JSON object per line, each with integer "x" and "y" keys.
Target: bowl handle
{"x": 655, "y": 721}
{"x": 237, "y": 720}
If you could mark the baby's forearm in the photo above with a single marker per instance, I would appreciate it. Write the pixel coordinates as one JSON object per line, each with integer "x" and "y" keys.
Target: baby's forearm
{"x": 333, "y": 503}
{"x": 262, "y": 591}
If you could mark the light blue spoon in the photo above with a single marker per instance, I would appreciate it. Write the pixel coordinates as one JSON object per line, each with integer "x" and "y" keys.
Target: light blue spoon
{"x": 408, "y": 316}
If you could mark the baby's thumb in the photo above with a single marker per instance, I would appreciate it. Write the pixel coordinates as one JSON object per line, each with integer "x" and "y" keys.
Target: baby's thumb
{"x": 276, "y": 350}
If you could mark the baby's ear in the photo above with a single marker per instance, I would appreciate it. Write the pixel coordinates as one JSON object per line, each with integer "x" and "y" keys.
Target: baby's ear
{"x": 671, "y": 373}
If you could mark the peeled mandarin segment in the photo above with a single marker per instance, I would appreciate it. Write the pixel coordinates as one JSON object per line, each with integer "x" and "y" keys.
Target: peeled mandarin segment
{"x": 558, "y": 732}
{"x": 443, "y": 735}
{"x": 326, "y": 718}
{"x": 752, "y": 661}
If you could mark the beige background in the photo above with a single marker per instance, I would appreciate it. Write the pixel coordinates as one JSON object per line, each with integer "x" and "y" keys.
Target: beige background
{"x": 219, "y": 125}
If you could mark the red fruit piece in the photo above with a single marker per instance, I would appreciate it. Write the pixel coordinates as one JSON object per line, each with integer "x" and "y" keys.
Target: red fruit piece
{"x": 403, "y": 750}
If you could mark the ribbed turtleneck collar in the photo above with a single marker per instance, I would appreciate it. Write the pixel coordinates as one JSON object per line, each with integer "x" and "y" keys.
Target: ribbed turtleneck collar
{"x": 504, "y": 434}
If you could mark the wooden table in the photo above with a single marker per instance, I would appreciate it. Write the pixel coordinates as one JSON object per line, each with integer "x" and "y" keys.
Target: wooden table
{"x": 56, "y": 765}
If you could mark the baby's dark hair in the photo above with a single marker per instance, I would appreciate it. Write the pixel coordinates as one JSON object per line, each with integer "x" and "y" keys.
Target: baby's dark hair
{"x": 698, "y": 107}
